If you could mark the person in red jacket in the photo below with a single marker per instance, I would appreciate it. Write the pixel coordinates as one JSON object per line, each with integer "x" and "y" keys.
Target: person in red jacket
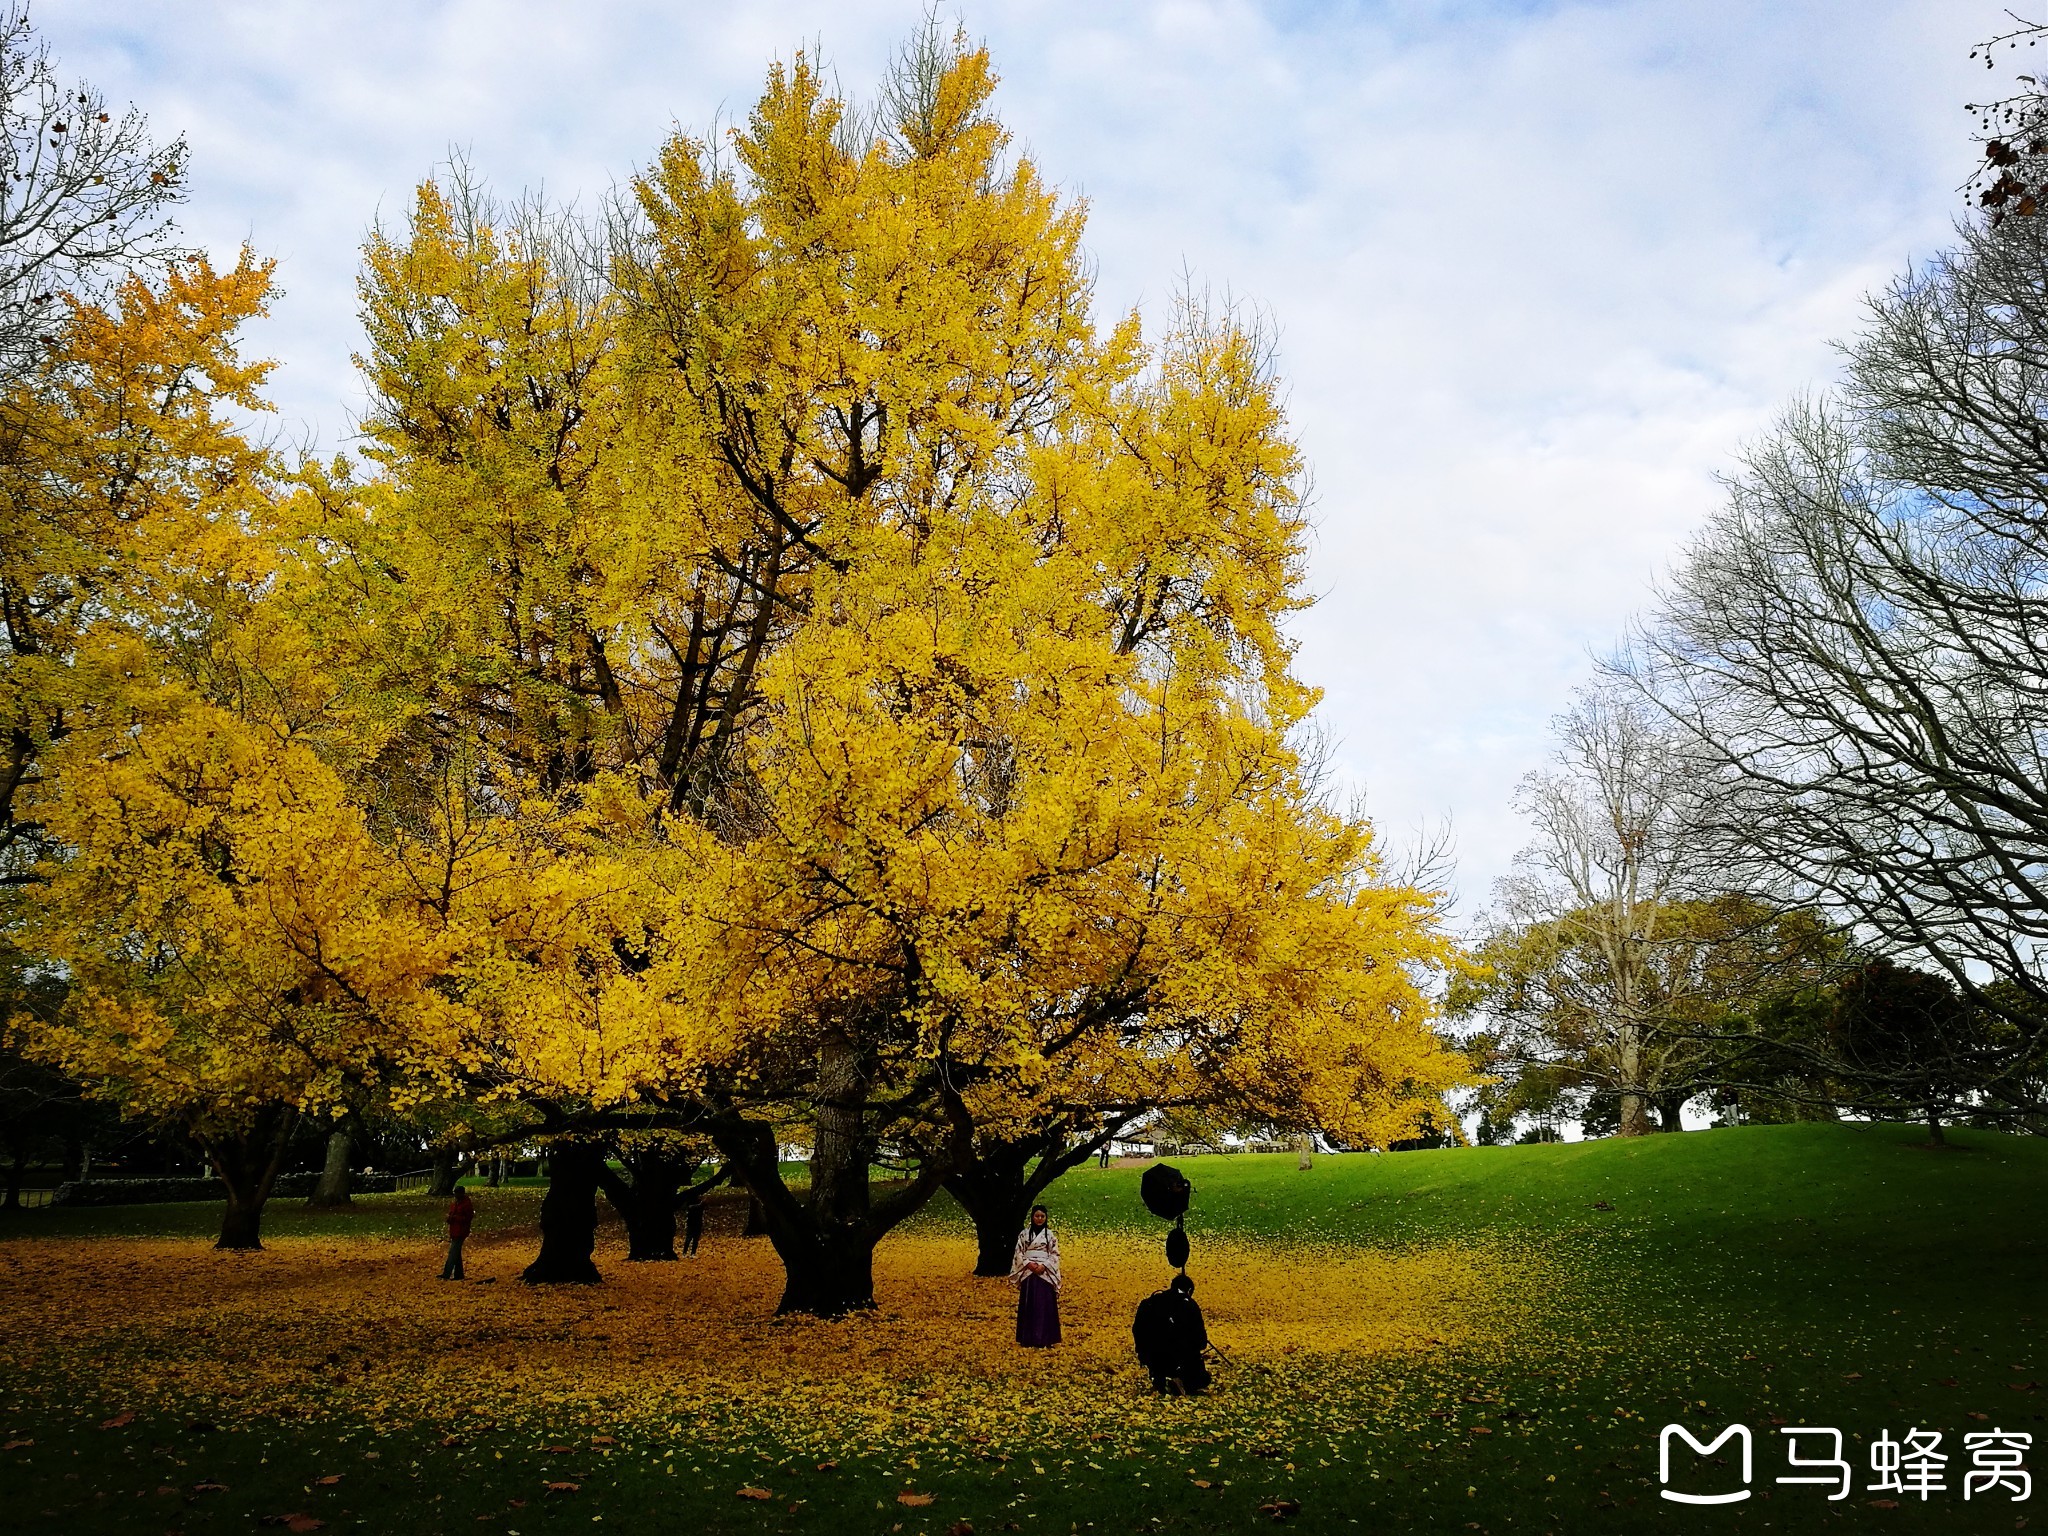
{"x": 460, "y": 1214}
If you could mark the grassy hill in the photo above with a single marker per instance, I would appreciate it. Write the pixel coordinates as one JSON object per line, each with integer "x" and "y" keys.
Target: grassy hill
{"x": 1838, "y": 1223}
{"x": 1842, "y": 1275}
{"x": 1736, "y": 1179}
{"x": 1832, "y": 1275}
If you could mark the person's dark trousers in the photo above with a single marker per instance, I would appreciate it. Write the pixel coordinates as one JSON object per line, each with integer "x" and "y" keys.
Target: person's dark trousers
{"x": 689, "y": 1242}
{"x": 452, "y": 1270}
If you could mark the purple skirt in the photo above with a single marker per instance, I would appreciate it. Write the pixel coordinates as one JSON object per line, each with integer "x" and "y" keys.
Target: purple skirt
{"x": 1038, "y": 1313}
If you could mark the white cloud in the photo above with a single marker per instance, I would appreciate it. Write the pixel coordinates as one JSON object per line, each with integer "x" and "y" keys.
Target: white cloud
{"x": 1538, "y": 268}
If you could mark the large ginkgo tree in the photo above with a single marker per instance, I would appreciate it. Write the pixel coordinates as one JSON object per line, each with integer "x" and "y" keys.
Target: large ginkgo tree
{"x": 797, "y": 678}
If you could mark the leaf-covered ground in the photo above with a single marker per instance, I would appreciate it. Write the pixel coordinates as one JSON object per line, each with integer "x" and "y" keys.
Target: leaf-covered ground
{"x": 1482, "y": 1340}
{"x": 326, "y": 1328}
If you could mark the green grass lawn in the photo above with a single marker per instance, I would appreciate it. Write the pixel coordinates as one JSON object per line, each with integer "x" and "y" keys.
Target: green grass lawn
{"x": 1843, "y": 1276}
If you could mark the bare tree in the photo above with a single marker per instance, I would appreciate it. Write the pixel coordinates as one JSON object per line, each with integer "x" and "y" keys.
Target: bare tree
{"x": 1856, "y": 648}
{"x": 1611, "y": 815}
{"x": 84, "y": 195}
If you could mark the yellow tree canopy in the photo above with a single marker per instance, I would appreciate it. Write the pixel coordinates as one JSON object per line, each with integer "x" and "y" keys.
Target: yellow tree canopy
{"x": 780, "y": 649}
{"x": 900, "y": 646}
{"x": 234, "y": 944}
{"x": 232, "y": 933}
{"x": 903, "y": 649}
{"x": 126, "y": 495}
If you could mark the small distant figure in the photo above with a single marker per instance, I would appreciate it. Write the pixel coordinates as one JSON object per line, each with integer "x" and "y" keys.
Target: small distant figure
{"x": 1102, "y": 1160}
{"x": 1035, "y": 1271}
{"x": 1171, "y": 1339}
{"x": 693, "y": 1226}
{"x": 461, "y": 1213}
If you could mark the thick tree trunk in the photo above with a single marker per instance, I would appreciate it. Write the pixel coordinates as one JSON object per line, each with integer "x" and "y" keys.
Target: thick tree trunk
{"x": 826, "y": 1242}
{"x": 651, "y": 1237}
{"x": 447, "y": 1173}
{"x": 497, "y": 1169}
{"x": 241, "y": 1224}
{"x": 650, "y": 1229}
{"x": 332, "y": 1189}
{"x": 757, "y": 1218}
{"x": 1635, "y": 1116}
{"x": 998, "y": 1187}
{"x": 995, "y": 1192}
{"x": 827, "y": 1276}
{"x": 1934, "y": 1126}
{"x": 1635, "y": 1103}
{"x": 995, "y": 1236}
{"x": 831, "y": 1267}
{"x": 646, "y": 1199}
{"x": 568, "y": 1219}
{"x": 246, "y": 1165}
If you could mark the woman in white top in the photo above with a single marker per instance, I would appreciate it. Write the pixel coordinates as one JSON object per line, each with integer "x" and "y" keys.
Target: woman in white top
{"x": 1035, "y": 1271}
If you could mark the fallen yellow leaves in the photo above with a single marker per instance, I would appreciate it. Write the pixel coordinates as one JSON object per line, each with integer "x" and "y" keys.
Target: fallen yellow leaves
{"x": 357, "y": 1330}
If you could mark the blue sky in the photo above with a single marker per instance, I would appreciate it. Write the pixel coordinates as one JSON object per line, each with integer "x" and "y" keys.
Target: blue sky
{"x": 1538, "y": 269}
